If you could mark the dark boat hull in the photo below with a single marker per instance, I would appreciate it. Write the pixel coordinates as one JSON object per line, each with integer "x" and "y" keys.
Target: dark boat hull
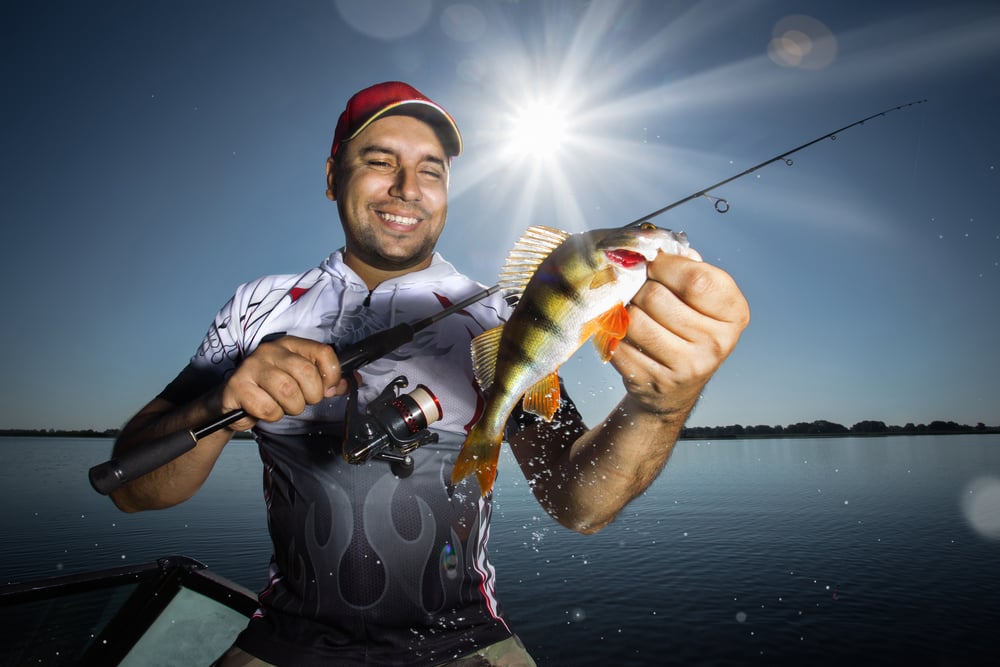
{"x": 171, "y": 612}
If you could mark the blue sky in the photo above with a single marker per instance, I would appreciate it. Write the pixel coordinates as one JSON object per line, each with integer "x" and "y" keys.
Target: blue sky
{"x": 155, "y": 155}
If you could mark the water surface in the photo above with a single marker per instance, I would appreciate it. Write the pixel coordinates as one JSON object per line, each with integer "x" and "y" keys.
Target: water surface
{"x": 798, "y": 551}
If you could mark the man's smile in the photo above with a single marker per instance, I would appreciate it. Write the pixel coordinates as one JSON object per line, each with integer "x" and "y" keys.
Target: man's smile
{"x": 397, "y": 219}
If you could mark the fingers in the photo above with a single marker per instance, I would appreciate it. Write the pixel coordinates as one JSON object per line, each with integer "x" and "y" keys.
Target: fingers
{"x": 322, "y": 359}
{"x": 703, "y": 287}
{"x": 684, "y": 322}
{"x": 694, "y": 303}
{"x": 282, "y": 377}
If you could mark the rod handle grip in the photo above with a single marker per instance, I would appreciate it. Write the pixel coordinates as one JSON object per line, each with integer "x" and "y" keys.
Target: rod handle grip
{"x": 115, "y": 473}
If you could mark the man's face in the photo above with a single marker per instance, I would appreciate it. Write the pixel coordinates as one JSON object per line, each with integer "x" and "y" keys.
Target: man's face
{"x": 391, "y": 188}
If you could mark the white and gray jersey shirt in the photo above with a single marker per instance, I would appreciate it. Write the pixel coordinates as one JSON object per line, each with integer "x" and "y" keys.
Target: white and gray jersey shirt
{"x": 368, "y": 568}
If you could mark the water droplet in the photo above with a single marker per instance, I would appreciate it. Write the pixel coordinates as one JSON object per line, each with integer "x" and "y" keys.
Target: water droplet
{"x": 741, "y": 617}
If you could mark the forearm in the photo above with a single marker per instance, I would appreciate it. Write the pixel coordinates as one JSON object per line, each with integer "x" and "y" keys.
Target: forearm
{"x": 279, "y": 378}
{"x": 591, "y": 480}
{"x": 179, "y": 479}
{"x": 684, "y": 322}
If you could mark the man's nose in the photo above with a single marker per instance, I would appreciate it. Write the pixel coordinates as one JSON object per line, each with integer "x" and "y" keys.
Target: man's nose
{"x": 406, "y": 186}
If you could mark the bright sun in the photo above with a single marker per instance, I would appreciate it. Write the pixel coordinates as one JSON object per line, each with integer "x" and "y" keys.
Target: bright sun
{"x": 539, "y": 130}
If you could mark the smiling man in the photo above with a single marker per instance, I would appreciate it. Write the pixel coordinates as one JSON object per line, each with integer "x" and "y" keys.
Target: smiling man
{"x": 390, "y": 181}
{"x": 370, "y": 567}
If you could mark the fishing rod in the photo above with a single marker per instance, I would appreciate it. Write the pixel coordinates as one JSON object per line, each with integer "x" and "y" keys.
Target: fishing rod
{"x": 722, "y": 205}
{"x": 134, "y": 463}
{"x": 114, "y": 473}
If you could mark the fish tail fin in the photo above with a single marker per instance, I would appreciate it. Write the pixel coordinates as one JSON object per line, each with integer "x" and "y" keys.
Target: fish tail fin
{"x": 480, "y": 455}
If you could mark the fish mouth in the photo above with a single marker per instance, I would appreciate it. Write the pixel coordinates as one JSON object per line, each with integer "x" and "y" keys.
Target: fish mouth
{"x": 631, "y": 247}
{"x": 626, "y": 258}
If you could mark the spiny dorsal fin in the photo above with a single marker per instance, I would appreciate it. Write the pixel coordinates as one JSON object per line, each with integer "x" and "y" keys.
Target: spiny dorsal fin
{"x": 484, "y": 356}
{"x": 532, "y": 248}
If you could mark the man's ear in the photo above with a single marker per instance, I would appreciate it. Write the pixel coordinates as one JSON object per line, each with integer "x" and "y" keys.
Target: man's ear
{"x": 331, "y": 175}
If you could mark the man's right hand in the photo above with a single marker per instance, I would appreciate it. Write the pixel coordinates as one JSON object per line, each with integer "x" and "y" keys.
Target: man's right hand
{"x": 282, "y": 377}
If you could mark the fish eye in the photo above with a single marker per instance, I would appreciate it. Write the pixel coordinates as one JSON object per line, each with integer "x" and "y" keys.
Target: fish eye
{"x": 647, "y": 226}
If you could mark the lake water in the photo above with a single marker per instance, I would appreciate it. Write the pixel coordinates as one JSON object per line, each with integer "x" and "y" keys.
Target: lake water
{"x": 807, "y": 551}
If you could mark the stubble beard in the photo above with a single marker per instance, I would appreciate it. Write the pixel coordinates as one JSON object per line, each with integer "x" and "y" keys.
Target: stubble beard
{"x": 367, "y": 248}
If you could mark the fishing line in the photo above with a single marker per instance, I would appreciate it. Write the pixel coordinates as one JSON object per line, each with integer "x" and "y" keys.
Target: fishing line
{"x": 917, "y": 151}
{"x": 722, "y": 205}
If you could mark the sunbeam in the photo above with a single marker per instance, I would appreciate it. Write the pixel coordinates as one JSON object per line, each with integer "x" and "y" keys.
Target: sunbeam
{"x": 579, "y": 135}
{"x": 690, "y": 100}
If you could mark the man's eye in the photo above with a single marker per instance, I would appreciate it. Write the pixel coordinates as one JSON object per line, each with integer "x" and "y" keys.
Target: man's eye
{"x": 378, "y": 163}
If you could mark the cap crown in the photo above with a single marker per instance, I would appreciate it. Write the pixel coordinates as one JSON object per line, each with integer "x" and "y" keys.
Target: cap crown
{"x": 395, "y": 98}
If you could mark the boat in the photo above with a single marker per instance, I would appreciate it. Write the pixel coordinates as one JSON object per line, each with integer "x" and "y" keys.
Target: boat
{"x": 174, "y": 611}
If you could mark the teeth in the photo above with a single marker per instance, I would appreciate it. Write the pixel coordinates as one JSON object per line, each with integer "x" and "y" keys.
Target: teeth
{"x": 398, "y": 219}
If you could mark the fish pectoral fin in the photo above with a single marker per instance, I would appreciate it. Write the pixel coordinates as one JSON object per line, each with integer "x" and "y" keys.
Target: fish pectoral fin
{"x": 484, "y": 348}
{"x": 609, "y": 328}
{"x": 543, "y": 397}
{"x": 605, "y": 276}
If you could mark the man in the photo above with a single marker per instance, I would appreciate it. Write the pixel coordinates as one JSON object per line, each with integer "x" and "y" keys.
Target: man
{"x": 370, "y": 567}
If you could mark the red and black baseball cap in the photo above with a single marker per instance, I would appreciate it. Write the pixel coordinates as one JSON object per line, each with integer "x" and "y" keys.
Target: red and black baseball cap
{"x": 399, "y": 99}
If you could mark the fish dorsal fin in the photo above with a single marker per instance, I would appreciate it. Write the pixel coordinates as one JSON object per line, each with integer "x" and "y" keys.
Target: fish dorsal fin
{"x": 608, "y": 329}
{"x": 542, "y": 398}
{"x": 484, "y": 356}
{"x": 532, "y": 248}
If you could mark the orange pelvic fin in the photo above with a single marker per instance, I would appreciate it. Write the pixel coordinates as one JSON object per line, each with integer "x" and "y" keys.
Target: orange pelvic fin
{"x": 479, "y": 455}
{"x": 608, "y": 329}
{"x": 543, "y": 397}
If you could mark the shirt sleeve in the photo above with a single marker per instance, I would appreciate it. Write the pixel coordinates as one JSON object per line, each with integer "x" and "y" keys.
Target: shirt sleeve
{"x": 189, "y": 384}
{"x": 217, "y": 357}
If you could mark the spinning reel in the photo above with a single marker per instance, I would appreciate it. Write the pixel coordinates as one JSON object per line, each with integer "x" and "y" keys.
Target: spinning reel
{"x": 391, "y": 427}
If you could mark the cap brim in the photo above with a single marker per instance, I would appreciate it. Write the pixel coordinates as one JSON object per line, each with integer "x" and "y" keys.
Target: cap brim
{"x": 443, "y": 124}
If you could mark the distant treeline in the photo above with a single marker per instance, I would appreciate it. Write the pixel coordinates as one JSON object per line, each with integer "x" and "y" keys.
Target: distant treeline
{"x": 821, "y": 427}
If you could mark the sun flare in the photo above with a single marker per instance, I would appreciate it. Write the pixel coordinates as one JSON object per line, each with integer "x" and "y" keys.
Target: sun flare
{"x": 538, "y": 130}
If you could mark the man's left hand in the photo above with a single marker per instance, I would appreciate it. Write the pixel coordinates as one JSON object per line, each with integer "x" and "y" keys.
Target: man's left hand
{"x": 684, "y": 322}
